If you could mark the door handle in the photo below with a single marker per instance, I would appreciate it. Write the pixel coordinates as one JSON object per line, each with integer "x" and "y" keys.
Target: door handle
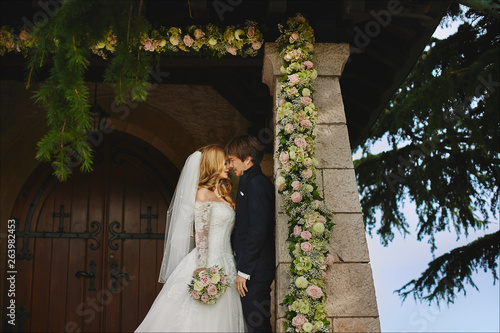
{"x": 115, "y": 276}
{"x": 90, "y": 275}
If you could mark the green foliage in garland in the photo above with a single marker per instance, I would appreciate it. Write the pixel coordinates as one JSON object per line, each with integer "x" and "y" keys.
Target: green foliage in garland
{"x": 443, "y": 126}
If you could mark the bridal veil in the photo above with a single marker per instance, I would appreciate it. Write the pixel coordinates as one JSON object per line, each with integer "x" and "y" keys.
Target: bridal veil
{"x": 180, "y": 217}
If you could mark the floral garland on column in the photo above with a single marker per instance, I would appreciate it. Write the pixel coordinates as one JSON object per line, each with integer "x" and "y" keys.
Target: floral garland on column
{"x": 309, "y": 220}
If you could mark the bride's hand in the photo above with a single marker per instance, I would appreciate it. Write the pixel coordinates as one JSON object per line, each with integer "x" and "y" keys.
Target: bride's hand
{"x": 198, "y": 270}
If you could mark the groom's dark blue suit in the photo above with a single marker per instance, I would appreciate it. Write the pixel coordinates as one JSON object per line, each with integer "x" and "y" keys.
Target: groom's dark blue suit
{"x": 254, "y": 246}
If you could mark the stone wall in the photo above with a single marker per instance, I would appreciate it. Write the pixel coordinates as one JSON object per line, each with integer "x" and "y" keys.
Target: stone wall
{"x": 351, "y": 300}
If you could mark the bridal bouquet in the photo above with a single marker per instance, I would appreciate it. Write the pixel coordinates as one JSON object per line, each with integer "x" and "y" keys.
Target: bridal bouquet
{"x": 208, "y": 285}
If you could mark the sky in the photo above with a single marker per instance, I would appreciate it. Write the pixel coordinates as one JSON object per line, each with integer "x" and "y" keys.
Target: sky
{"x": 406, "y": 258}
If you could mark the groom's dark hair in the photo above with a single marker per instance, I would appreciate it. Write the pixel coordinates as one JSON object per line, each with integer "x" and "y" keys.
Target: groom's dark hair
{"x": 244, "y": 146}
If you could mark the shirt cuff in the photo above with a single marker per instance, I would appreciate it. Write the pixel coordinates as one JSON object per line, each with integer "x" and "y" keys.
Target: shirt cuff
{"x": 243, "y": 275}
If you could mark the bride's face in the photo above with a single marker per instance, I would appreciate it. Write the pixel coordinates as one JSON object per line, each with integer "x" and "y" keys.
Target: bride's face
{"x": 225, "y": 173}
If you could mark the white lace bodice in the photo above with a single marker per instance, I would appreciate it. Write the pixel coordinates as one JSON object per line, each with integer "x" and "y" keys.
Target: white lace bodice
{"x": 214, "y": 222}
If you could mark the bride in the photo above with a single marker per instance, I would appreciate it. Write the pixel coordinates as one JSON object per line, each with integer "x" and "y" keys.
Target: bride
{"x": 201, "y": 202}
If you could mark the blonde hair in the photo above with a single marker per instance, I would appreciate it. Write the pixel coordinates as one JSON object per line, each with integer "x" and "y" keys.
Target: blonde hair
{"x": 211, "y": 166}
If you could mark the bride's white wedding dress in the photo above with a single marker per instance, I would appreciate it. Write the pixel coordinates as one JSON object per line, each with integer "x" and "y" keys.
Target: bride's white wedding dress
{"x": 174, "y": 310}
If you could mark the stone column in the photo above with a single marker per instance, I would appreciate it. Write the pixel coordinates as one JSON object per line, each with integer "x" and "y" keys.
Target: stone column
{"x": 351, "y": 302}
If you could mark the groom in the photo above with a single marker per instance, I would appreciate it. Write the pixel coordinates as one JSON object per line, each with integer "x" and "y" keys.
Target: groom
{"x": 253, "y": 234}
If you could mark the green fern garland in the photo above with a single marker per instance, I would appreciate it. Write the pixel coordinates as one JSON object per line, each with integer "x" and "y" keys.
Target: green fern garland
{"x": 309, "y": 222}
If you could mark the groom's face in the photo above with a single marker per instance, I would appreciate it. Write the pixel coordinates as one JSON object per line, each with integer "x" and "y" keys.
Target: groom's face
{"x": 238, "y": 165}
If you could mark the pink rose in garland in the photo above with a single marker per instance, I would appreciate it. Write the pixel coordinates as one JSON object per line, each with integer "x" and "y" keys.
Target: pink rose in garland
{"x": 296, "y": 197}
{"x": 284, "y": 157}
{"x": 297, "y": 231}
{"x": 300, "y": 142}
{"x": 306, "y": 235}
{"x": 289, "y": 128}
{"x": 305, "y": 100}
{"x": 188, "y": 41}
{"x": 232, "y": 50}
{"x": 308, "y": 64}
{"x": 256, "y": 45}
{"x": 314, "y": 291}
{"x": 299, "y": 320}
{"x": 198, "y": 33}
{"x": 307, "y": 173}
{"x": 329, "y": 260}
{"x": 251, "y": 32}
{"x": 306, "y": 123}
{"x": 293, "y": 79}
{"x": 296, "y": 185}
{"x": 306, "y": 247}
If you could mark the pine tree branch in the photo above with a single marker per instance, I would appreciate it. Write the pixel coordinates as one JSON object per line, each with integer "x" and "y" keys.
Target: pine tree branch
{"x": 445, "y": 276}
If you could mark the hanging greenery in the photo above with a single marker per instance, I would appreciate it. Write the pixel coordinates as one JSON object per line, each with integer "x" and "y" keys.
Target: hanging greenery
{"x": 309, "y": 221}
{"x": 82, "y": 28}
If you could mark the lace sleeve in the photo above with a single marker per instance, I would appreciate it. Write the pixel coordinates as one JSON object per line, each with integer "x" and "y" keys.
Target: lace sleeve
{"x": 201, "y": 221}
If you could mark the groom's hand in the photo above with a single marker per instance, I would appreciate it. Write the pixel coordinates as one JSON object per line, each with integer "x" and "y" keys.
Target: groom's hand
{"x": 241, "y": 285}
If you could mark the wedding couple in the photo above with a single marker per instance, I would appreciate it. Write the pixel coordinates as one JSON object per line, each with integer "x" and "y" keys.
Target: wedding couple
{"x": 239, "y": 238}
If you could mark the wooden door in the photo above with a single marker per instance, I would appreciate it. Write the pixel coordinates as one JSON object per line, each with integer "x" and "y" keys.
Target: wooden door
{"x": 89, "y": 250}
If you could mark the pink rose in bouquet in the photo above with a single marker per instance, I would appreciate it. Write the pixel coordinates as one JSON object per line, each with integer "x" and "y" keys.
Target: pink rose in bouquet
{"x": 205, "y": 280}
{"x": 195, "y": 294}
{"x": 211, "y": 290}
{"x": 293, "y": 37}
{"x": 208, "y": 285}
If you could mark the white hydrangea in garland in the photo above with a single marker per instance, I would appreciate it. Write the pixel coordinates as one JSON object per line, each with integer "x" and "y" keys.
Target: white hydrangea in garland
{"x": 309, "y": 221}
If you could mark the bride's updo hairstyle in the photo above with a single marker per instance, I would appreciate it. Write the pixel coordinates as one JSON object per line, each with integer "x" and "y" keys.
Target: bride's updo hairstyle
{"x": 211, "y": 166}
